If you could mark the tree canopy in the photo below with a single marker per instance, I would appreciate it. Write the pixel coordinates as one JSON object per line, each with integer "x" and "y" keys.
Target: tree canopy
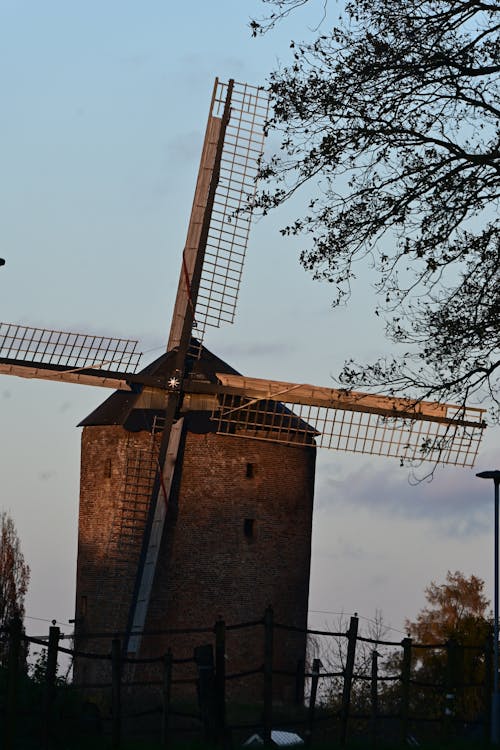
{"x": 390, "y": 122}
{"x": 457, "y": 612}
{"x": 456, "y": 609}
{"x": 14, "y": 572}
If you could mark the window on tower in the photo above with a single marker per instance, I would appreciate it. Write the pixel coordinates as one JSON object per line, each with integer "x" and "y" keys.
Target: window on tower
{"x": 249, "y": 528}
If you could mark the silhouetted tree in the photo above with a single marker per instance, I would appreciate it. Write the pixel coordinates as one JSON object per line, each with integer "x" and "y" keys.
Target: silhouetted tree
{"x": 332, "y": 651}
{"x": 14, "y": 574}
{"x": 390, "y": 120}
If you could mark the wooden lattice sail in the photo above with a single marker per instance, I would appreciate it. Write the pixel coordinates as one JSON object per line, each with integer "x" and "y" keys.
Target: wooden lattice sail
{"x": 349, "y": 421}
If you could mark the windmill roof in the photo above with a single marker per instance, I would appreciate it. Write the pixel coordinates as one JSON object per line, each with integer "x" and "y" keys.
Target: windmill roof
{"x": 125, "y": 408}
{"x": 121, "y": 407}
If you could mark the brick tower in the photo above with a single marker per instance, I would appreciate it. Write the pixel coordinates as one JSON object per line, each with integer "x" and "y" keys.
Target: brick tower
{"x": 237, "y": 536}
{"x": 180, "y": 524}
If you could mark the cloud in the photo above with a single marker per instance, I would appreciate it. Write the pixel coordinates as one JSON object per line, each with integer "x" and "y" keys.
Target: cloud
{"x": 458, "y": 504}
{"x": 255, "y": 349}
{"x": 346, "y": 549}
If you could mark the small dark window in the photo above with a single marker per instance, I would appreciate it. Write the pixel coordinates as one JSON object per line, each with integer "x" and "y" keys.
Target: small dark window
{"x": 250, "y": 471}
{"x": 107, "y": 468}
{"x": 248, "y": 527}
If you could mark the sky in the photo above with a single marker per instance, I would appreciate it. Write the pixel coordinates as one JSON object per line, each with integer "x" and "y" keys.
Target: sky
{"x": 102, "y": 118}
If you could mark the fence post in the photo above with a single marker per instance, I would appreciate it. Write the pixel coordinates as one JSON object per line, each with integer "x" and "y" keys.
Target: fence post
{"x": 116, "y": 707}
{"x": 300, "y": 679}
{"x": 220, "y": 680}
{"x": 450, "y": 695}
{"x": 204, "y": 657}
{"x": 50, "y": 684}
{"x": 405, "y": 688}
{"x": 374, "y": 696}
{"x": 167, "y": 684}
{"x": 488, "y": 685}
{"x": 15, "y": 633}
{"x": 316, "y": 666}
{"x": 460, "y": 680}
{"x": 352, "y": 635}
{"x": 268, "y": 674}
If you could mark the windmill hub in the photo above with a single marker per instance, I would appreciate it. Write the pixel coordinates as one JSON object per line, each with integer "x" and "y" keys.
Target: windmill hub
{"x": 174, "y": 383}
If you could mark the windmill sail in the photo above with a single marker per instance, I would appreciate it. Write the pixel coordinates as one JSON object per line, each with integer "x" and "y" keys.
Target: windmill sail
{"x": 220, "y": 223}
{"x": 63, "y": 355}
{"x": 209, "y": 281}
{"x": 153, "y": 548}
{"x": 344, "y": 420}
{"x": 231, "y": 215}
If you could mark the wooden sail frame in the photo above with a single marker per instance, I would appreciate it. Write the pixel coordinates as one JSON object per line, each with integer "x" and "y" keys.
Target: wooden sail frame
{"x": 349, "y": 421}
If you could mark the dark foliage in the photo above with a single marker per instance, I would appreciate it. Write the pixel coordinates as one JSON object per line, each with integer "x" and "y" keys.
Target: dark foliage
{"x": 14, "y": 577}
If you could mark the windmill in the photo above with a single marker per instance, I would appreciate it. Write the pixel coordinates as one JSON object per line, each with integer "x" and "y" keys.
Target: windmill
{"x": 139, "y": 448}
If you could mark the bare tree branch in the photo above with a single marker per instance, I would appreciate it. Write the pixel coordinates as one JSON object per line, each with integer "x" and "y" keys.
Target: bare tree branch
{"x": 390, "y": 124}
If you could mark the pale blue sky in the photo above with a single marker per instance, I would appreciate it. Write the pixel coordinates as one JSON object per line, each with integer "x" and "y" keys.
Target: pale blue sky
{"x": 101, "y": 121}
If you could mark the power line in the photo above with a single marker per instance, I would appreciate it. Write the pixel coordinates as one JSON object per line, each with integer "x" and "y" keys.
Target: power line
{"x": 361, "y": 617}
{"x": 43, "y": 619}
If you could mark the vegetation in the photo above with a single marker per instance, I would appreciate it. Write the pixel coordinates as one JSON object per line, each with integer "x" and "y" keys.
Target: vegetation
{"x": 447, "y": 678}
{"x": 457, "y": 609}
{"x": 457, "y": 614}
{"x": 444, "y": 687}
{"x": 14, "y": 575}
{"x": 390, "y": 121}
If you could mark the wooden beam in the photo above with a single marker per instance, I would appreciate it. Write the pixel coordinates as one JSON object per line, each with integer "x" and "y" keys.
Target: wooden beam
{"x": 332, "y": 398}
{"x": 185, "y": 295}
{"x": 66, "y": 376}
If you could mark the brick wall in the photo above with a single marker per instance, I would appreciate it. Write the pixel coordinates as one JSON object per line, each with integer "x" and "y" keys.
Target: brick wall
{"x": 237, "y": 540}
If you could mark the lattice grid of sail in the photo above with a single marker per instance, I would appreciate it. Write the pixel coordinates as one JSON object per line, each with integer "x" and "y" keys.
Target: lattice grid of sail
{"x": 230, "y": 224}
{"x": 141, "y": 469}
{"x": 126, "y": 529}
{"x": 62, "y": 348}
{"x": 453, "y": 439}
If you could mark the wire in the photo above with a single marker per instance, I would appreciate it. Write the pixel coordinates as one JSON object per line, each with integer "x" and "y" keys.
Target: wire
{"x": 154, "y": 349}
{"x": 361, "y": 617}
{"x": 43, "y": 619}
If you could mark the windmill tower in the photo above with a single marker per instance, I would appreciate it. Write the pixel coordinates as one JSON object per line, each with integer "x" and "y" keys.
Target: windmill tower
{"x": 196, "y": 482}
